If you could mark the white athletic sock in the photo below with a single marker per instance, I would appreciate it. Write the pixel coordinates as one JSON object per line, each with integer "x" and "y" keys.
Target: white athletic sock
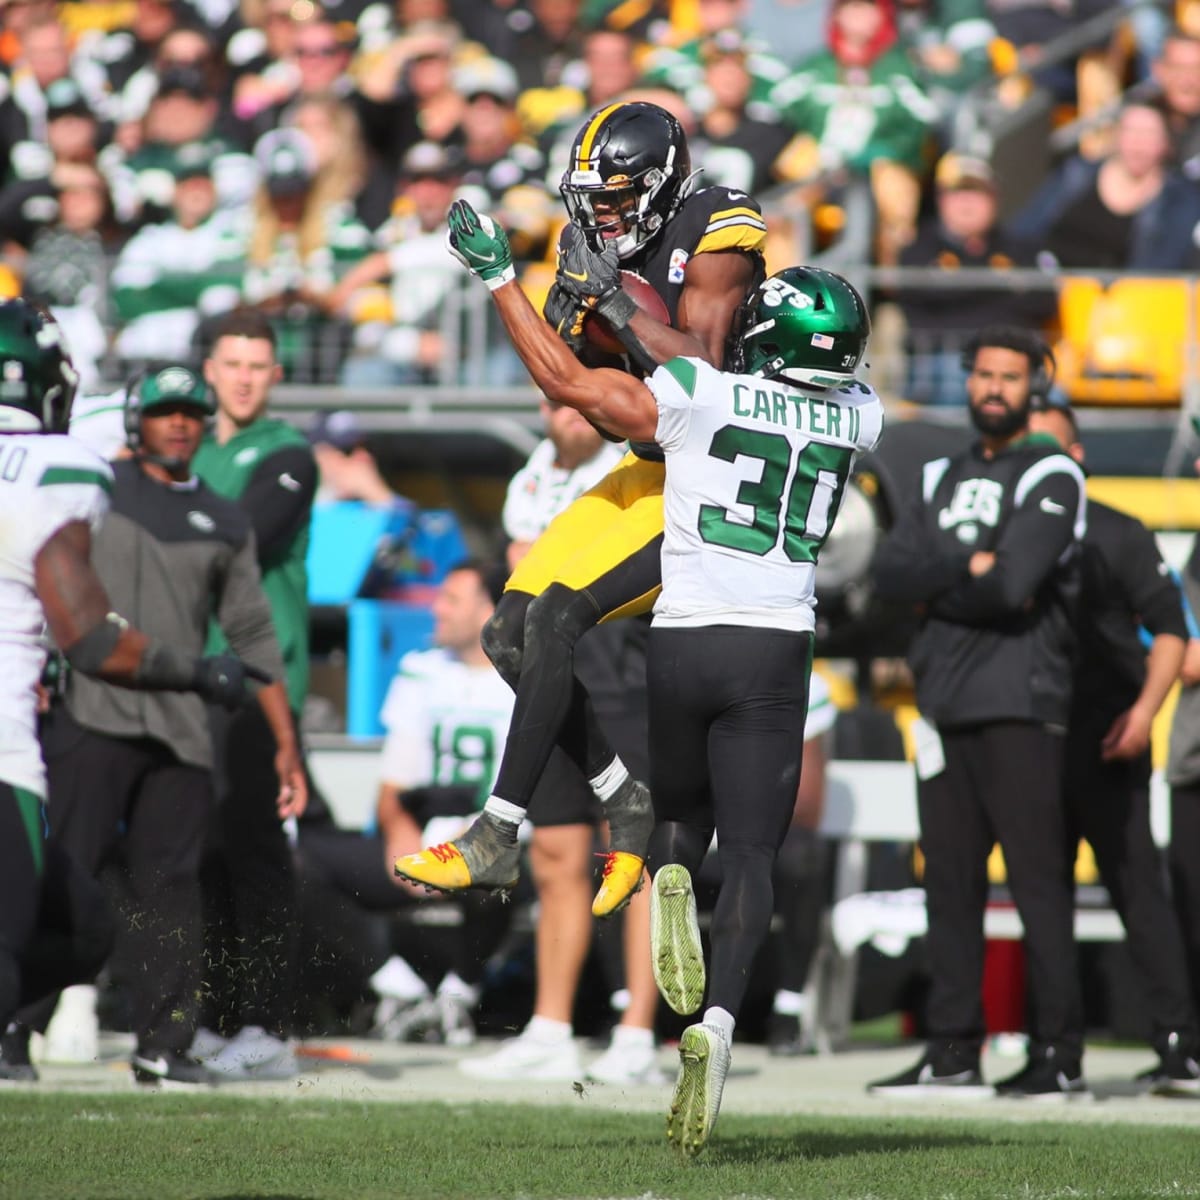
{"x": 398, "y": 980}
{"x": 789, "y": 1004}
{"x": 457, "y": 987}
{"x": 609, "y": 780}
{"x": 722, "y": 1019}
{"x": 546, "y": 1031}
{"x": 630, "y": 1036}
{"x": 504, "y": 810}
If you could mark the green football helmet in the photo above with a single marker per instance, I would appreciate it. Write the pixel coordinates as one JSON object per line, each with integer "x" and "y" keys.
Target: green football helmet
{"x": 37, "y": 379}
{"x": 805, "y": 325}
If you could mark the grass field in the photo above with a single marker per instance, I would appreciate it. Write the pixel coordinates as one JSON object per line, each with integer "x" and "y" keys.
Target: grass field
{"x": 203, "y": 1146}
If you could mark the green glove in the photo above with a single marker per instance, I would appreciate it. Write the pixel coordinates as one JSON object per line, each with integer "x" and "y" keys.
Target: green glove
{"x": 480, "y": 245}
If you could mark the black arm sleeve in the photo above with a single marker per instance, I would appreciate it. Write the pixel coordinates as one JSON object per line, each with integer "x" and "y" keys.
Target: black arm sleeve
{"x": 278, "y": 499}
{"x": 910, "y": 566}
{"x": 1153, "y": 593}
{"x": 1033, "y": 540}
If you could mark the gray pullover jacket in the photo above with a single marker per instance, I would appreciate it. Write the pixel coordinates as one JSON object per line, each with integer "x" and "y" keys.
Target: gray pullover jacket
{"x": 171, "y": 557}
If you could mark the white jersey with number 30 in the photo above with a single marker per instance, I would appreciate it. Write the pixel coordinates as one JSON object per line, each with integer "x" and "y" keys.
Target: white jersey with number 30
{"x": 756, "y": 469}
{"x": 46, "y": 482}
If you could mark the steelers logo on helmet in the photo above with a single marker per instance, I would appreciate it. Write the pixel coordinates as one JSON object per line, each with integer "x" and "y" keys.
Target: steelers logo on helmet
{"x": 805, "y": 325}
{"x": 629, "y": 171}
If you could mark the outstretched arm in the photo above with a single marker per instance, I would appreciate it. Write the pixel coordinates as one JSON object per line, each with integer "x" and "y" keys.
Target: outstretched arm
{"x": 612, "y": 399}
{"x": 97, "y": 642}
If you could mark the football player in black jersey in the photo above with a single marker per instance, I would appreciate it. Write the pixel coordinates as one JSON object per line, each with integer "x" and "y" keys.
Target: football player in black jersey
{"x": 629, "y": 181}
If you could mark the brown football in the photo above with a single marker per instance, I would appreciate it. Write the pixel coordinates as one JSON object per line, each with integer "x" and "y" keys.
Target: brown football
{"x": 598, "y": 331}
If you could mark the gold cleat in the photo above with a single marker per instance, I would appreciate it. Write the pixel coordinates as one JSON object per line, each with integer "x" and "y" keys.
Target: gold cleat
{"x": 483, "y": 857}
{"x": 621, "y": 881}
{"x": 676, "y": 953}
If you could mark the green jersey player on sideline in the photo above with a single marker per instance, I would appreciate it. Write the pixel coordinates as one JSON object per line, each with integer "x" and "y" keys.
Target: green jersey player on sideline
{"x": 756, "y": 465}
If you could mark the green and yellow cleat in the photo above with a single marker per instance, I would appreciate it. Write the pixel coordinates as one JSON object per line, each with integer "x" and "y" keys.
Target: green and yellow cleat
{"x": 703, "y": 1064}
{"x": 675, "y": 949}
{"x": 483, "y": 857}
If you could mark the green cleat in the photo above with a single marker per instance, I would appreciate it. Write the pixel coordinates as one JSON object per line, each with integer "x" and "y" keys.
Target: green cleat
{"x": 703, "y": 1064}
{"x": 675, "y": 950}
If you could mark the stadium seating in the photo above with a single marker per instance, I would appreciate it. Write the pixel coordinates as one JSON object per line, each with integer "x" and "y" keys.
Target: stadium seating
{"x": 1125, "y": 343}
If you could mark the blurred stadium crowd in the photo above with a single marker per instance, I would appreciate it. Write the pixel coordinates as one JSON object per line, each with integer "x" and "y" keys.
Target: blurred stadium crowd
{"x": 167, "y": 160}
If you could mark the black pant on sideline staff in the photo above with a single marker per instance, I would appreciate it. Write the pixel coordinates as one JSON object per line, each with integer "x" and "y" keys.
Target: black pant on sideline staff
{"x": 252, "y": 911}
{"x": 1002, "y": 782}
{"x": 133, "y": 795}
{"x": 1184, "y": 859}
{"x": 1108, "y": 803}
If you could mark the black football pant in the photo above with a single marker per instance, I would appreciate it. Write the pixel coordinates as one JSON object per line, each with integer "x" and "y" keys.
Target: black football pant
{"x": 531, "y": 642}
{"x": 1108, "y": 803}
{"x": 1184, "y": 859}
{"x": 56, "y": 927}
{"x": 131, "y": 798}
{"x": 1002, "y": 782}
{"x": 727, "y": 710}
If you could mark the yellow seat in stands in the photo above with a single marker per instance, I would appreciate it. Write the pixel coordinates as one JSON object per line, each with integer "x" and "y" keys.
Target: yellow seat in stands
{"x": 1124, "y": 344}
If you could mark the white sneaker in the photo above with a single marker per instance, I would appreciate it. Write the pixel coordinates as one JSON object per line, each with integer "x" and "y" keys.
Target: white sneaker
{"x": 627, "y": 1065}
{"x": 527, "y": 1058}
{"x": 73, "y": 1035}
{"x": 454, "y": 1020}
{"x": 207, "y": 1044}
{"x": 255, "y": 1054}
{"x": 703, "y": 1065}
{"x": 406, "y": 1020}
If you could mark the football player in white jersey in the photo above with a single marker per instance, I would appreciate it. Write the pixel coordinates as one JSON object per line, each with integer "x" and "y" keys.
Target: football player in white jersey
{"x": 54, "y": 927}
{"x": 757, "y": 462}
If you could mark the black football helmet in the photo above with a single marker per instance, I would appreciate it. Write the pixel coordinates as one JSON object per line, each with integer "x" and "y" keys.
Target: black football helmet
{"x": 37, "y": 379}
{"x": 631, "y": 159}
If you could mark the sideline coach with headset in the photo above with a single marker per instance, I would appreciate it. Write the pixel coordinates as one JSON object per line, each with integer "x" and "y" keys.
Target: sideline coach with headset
{"x": 135, "y": 767}
{"x": 989, "y": 553}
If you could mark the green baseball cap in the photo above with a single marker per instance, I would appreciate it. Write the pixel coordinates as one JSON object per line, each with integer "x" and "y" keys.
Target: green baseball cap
{"x": 174, "y": 385}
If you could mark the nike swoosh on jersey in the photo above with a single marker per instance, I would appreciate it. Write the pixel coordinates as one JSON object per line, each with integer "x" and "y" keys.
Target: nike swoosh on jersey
{"x": 290, "y": 482}
{"x": 571, "y": 275}
{"x": 1051, "y": 506}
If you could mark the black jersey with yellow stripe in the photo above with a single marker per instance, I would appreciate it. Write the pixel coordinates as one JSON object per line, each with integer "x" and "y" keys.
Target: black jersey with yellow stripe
{"x": 712, "y": 219}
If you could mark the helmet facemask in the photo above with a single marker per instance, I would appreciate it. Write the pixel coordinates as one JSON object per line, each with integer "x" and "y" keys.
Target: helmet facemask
{"x": 596, "y": 206}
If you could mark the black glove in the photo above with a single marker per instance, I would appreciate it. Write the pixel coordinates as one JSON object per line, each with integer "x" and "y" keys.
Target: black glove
{"x": 565, "y": 313}
{"x": 583, "y": 273}
{"x": 223, "y": 679}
